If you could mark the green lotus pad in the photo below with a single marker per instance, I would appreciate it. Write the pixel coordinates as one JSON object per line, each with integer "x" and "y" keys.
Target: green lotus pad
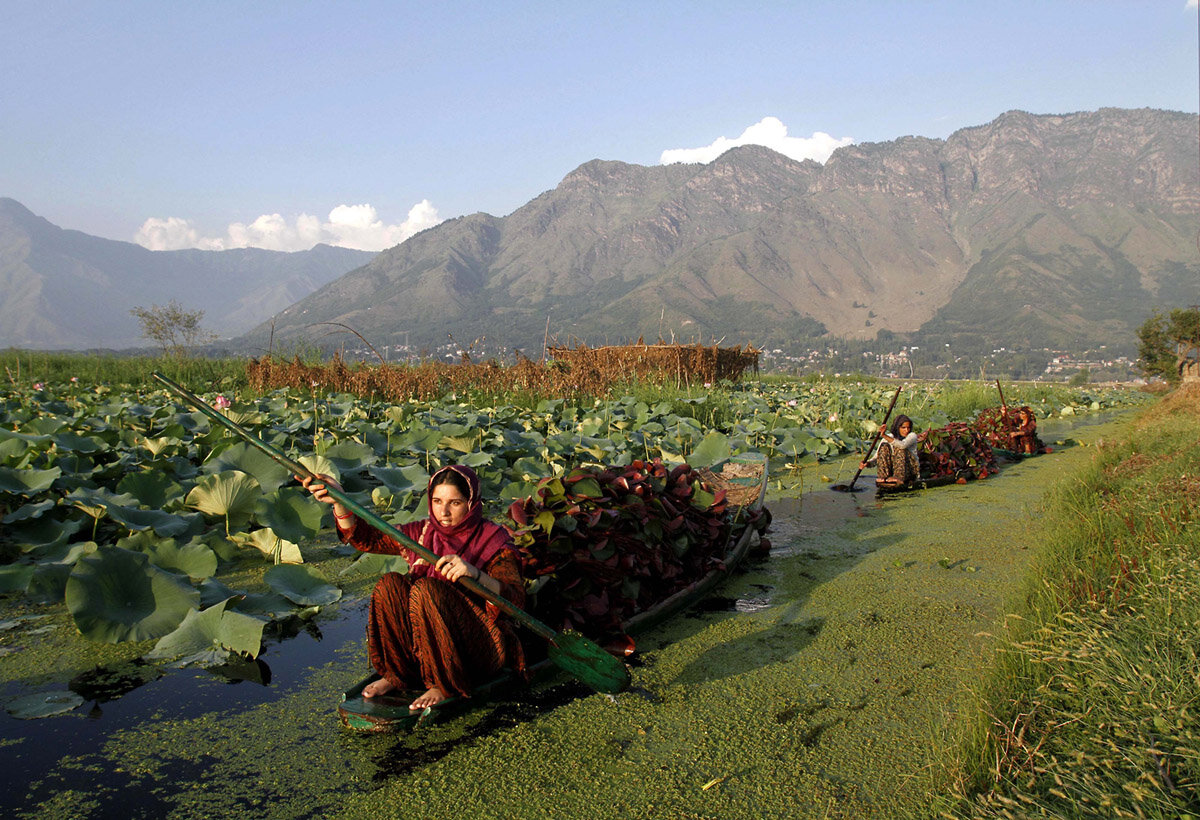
{"x": 291, "y": 513}
{"x": 43, "y": 704}
{"x": 302, "y": 585}
{"x": 117, "y": 595}
{"x": 209, "y": 636}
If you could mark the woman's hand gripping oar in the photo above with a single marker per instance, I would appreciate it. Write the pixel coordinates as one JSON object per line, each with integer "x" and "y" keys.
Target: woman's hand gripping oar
{"x": 568, "y": 650}
{"x": 849, "y": 488}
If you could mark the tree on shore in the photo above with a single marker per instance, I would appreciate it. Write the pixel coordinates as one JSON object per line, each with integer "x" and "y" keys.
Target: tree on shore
{"x": 1166, "y": 342}
{"x": 172, "y": 328}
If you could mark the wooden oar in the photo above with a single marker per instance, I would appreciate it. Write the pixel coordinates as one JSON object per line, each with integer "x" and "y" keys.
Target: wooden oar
{"x": 849, "y": 488}
{"x": 1004, "y": 412}
{"x": 569, "y": 650}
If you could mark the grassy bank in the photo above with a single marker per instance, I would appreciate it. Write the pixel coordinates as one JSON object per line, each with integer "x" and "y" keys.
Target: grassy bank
{"x": 1093, "y": 708}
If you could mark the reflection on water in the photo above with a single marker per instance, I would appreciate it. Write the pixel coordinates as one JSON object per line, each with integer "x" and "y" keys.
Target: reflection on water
{"x": 131, "y": 695}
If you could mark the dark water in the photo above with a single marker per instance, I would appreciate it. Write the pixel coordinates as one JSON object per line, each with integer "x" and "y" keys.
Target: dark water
{"x": 132, "y": 695}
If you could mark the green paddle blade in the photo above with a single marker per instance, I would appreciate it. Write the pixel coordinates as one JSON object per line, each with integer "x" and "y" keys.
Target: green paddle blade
{"x": 589, "y": 663}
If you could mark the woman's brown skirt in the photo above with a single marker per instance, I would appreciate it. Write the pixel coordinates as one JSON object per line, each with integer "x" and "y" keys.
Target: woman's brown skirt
{"x": 424, "y": 632}
{"x": 895, "y": 463}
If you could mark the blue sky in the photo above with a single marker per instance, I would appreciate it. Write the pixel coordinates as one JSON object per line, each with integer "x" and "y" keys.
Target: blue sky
{"x": 220, "y": 124}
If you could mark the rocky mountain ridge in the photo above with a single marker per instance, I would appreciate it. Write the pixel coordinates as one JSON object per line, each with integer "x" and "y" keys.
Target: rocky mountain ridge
{"x": 1063, "y": 230}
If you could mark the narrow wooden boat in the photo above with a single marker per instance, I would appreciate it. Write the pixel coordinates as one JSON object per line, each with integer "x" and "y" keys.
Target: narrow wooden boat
{"x": 744, "y": 479}
{"x": 962, "y": 477}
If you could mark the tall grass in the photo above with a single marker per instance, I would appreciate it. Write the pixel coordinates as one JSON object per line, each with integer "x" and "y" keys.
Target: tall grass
{"x": 28, "y": 367}
{"x": 1094, "y": 707}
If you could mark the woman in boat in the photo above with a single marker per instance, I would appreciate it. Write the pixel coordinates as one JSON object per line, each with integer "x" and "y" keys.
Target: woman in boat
{"x": 1024, "y": 435}
{"x": 896, "y": 459}
{"x": 425, "y": 630}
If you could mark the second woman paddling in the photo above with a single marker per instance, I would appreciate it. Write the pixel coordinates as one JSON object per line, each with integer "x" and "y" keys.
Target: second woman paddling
{"x": 425, "y": 631}
{"x": 897, "y": 455}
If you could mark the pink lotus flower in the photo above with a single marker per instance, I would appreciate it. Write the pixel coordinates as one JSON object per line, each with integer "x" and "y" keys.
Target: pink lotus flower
{"x": 222, "y": 403}
{"x": 833, "y": 417}
{"x": 38, "y": 386}
{"x": 74, "y": 380}
{"x": 792, "y": 402}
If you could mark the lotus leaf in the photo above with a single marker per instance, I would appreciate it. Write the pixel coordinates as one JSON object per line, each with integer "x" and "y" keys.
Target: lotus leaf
{"x": 49, "y": 583}
{"x": 95, "y": 501}
{"x": 302, "y": 585}
{"x": 214, "y": 631}
{"x": 213, "y": 591}
{"x": 15, "y": 577}
{"x": 152, "y": 488}
{"x": 193, "y": 559}
{"x": 712, "y": 450}
{"x": 117, "y": 595}
{"x": 43, "y": 531}
{"x": 462, "y": 444}
{"x": 351, "y": 456}
{"x": 245, "y": 418}
{"x": 47, "y": 425}
{"x": 397, "y": 414}
{"x": 418, "y": 439}
{"x": 532, "y": 469}
{"x": 27, "y": 482}
{"x": 321, "y": 466}
{"x": 375, "y": 564}
{"x": 43, "y": 704}
{"x": 230, "y": 494}
{"x": 29, "y": 511}
{"x": 402, "y": 517}
{"x": 477, "y": 459}
{"x": 13, "y": 450}
{"x": 163, "y": 523}
{"x": 66, "y": 554}
{"x": 9, "y": 435}
{"x": 72, "y": 443}
{"x": 402, "y": 480}
{"x": 291, "y": 513}
{"x": 252, "y": 461}
{"x": 270, "y": 544}
{"x": 139, "y": 541}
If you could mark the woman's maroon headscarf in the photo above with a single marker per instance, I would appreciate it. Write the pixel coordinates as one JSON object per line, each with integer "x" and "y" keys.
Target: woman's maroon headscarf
{"x": 474, "y": 539}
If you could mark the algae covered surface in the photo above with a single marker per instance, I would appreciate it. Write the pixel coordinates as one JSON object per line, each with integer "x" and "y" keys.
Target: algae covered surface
{"x": 828, "y": 690}
{"x": 824, "y": 683}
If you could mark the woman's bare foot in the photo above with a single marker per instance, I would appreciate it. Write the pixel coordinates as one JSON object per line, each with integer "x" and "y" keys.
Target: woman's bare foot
{"x": 432, "y": 697}
{"x": 379, "y": 687}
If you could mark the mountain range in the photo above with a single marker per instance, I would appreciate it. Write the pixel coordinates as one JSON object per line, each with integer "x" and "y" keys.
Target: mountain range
{"x": 1051, "y": 230}
{"x": 1047, "y": 231}
{"x": 63, "y": 289}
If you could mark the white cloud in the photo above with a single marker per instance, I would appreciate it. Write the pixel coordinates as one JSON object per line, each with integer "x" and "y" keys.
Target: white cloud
{"x": 348, "y": 226}
{"x": 167, "y": 234}
{"x": 768, "y": 131}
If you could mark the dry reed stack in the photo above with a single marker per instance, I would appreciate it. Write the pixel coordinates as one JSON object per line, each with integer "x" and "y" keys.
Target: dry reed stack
{"x": 569, "y": 372}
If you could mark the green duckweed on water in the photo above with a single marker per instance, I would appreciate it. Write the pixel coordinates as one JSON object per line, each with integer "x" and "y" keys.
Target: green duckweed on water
{"x": 829, "y": 690}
